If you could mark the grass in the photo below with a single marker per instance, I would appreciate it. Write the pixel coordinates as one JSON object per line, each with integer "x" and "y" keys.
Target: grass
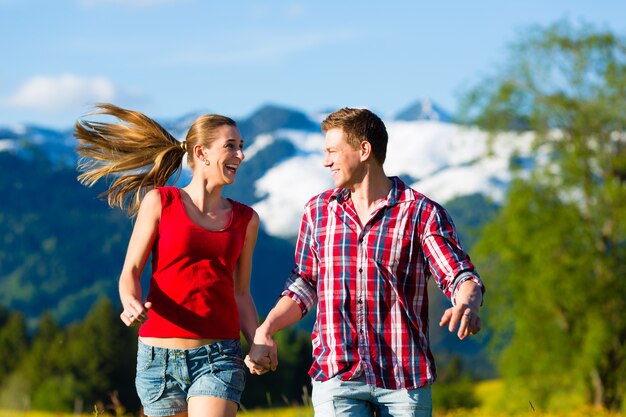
{"x": 489, "y": 393}
{"x": 308, "y": 412}
{"x": 279, "y": 412}
{"x": 273, "y": 412}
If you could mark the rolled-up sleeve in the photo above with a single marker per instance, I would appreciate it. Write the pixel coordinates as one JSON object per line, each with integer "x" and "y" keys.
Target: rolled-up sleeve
{"x": 301, "y": 286}
{"x": 447, "y": 262}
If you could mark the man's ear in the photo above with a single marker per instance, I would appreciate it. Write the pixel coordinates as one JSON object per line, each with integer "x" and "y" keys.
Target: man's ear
{"x": 365, "y": 150}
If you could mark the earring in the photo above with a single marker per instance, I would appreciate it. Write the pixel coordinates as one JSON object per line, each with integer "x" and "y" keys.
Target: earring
{"x": 207, "y": 162}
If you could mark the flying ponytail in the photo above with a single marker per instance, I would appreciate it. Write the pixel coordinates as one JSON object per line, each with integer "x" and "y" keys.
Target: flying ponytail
{"x": 138, "y": 153}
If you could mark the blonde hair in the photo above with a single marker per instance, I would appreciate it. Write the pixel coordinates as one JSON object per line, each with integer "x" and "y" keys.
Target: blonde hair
{"x": 137, "y": 152}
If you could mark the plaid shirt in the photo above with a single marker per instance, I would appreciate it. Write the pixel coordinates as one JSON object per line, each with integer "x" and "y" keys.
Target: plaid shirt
{"x": 370, "y": 284}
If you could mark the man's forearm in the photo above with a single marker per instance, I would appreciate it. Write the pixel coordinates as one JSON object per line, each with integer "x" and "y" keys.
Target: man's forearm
{"x": 285, "y": 313}
{"x": 263, "y": 355}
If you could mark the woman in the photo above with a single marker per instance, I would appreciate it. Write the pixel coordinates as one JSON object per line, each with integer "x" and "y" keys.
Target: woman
{"x": 189, "y": 360}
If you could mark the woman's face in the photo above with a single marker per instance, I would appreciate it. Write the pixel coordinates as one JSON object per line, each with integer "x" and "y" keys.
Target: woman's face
{"x": 225, "y": 154}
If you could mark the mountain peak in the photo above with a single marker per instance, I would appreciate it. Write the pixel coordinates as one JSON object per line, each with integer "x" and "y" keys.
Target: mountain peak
{"x": 272, "y": 117}
{"x": 424, "y": 109}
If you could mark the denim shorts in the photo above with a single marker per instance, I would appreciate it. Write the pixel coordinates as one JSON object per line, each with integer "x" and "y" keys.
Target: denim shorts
{"x": 354, "y": 398}
{"x": 167, "y": 378}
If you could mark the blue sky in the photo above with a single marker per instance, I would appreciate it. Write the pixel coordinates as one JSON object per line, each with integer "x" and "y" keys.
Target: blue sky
{"x": 172, "y": 57}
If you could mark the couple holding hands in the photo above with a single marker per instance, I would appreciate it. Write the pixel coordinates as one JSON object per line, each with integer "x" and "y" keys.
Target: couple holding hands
{"x": 364, "y": 254}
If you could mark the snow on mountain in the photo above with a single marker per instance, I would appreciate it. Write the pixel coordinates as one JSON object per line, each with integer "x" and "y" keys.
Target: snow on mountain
{"x": 448, "y": 160}
{"x": 284, "y": 159}
{"x": 57, "y": 145}
{"x": 444, "y": 160}
{"x": 8, "y": 145}
{"x": 287, "y": 187}
{"x": 423, "y": 109}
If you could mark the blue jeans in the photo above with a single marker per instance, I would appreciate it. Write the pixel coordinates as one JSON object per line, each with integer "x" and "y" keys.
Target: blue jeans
{"x": 166, "y": 378}
{"x": 337, "y": 398}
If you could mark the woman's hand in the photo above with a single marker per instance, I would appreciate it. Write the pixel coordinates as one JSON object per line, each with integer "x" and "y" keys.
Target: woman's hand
{"x": 135, "y": 313}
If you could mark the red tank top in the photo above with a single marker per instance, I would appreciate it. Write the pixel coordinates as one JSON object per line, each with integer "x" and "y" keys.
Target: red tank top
{"x": 192, "y": 285}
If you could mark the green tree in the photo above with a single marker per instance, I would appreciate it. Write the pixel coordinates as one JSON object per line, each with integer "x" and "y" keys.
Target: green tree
{"x": 56, "y": 393}
{"x": 101, "y": 355}
{"x": 555, "y": 256}
{"x": 44, "y": 372}
{"x": 454, "y": 388}
{"x": 13, "y": 344}
{"x": 42, "y": 360}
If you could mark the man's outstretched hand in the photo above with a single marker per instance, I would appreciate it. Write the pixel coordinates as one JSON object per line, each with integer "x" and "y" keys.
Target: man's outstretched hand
{"x": 465, "y": 313}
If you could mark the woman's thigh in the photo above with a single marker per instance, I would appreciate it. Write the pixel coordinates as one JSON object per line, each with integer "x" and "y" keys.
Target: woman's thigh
{"x": 206, "y": 406}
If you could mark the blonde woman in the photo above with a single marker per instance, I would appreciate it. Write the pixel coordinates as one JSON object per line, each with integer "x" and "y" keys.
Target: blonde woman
{"x": 189, "y": 359}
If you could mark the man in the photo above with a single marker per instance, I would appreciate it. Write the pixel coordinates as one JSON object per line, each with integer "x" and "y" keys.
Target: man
{"x": 364, "y": 254}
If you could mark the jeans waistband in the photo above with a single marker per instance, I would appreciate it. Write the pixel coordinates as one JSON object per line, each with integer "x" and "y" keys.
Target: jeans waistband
{"x": 216, "y": 347}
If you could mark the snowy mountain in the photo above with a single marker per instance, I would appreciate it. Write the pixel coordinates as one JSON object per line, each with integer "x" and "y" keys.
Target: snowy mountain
{"x": 58, "y": 146}
{"x": 440, "y": 160}
{"x": 284, "y": 158}
{"x": 423, "y": 109}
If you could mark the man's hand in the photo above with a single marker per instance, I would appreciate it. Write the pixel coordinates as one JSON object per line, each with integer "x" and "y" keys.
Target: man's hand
{"x": 465, "y": 315}
{"x": 465, "y": 312}
{"x": 263, "y": 355}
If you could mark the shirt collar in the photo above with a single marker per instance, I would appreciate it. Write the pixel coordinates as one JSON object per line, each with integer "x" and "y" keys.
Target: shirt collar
{"x": 399, "y": 193}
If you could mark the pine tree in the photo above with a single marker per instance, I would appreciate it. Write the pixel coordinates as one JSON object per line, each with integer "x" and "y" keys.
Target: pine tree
{"x": 103, "y": 355}
{"x": 13, "y": 342}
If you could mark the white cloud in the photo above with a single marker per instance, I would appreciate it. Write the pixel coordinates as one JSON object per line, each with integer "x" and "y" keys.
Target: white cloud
{"x": 58, "y": 93}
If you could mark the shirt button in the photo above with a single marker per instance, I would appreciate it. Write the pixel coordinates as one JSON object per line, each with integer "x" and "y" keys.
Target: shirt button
{"x": 360, "y": 269}
{"x": 361, "y": 331}
{"x": 360, "y": 301}
{"x": 360, "y": 240}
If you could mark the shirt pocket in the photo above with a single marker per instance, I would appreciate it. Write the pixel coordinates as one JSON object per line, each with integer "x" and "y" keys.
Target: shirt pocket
{"x": 398, "y": 257}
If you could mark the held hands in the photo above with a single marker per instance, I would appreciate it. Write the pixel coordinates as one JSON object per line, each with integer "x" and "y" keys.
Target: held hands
{"x": 263, "y": 355}
{"x": 135, "y": 313}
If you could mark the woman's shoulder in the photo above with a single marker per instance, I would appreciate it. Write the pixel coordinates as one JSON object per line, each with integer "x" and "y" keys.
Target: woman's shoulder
{"x": 243, "y": 210}
{"x": 167, "y": 194}
{"x": 150, "y": 204}
{"x": 152, "y": 197}
{"x": 239, "y": 206}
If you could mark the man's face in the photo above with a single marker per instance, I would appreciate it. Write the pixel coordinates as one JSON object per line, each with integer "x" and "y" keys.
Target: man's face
{"x": 343, "y": 160}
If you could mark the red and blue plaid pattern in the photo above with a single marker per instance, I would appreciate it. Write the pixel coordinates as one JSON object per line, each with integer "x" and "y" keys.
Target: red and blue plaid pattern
{"x": 370, "y": 284}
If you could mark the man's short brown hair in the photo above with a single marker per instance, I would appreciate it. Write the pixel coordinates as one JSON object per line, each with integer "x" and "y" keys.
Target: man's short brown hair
{"x": 360, "y": 125}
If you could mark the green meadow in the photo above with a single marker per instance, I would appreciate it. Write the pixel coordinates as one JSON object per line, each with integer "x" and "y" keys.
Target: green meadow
{"x": 490, "y": 394}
